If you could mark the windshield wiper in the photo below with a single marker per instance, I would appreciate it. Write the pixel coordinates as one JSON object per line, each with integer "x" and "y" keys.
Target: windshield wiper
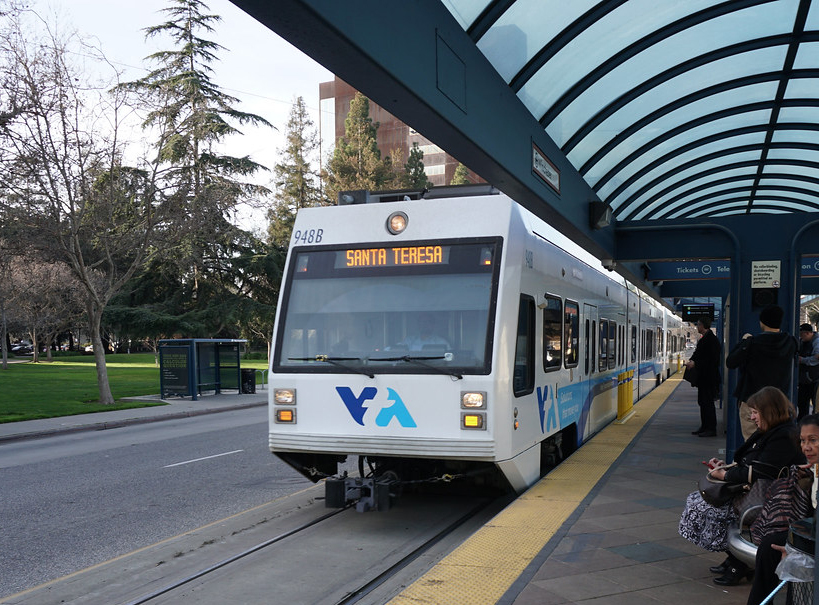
{"x": 336, "y": 361}
{"x": 421, "y": 361}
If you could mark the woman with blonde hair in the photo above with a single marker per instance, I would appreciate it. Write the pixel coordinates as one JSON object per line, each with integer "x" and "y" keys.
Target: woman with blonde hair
{"x": 773, "y": 446}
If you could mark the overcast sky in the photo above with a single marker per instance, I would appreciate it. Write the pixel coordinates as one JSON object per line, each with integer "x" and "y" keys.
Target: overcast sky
{"x": 258, "y": 67}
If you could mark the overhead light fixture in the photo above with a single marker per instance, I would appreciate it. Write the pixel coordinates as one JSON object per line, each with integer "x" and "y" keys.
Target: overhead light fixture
{"x": 599, "y": 214}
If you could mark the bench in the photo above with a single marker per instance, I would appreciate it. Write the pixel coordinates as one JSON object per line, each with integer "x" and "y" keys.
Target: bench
{"x": 739, "y": 537}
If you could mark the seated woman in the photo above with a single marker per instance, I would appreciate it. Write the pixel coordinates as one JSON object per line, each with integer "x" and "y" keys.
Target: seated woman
{"x": 768, "y": 554}
{"x": 772, "y": 447}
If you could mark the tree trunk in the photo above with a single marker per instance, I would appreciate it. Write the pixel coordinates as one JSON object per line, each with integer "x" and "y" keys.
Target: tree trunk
{"x": 95, "y": 319}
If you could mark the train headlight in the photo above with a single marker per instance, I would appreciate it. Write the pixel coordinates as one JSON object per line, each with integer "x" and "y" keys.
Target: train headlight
{"x": 284, "y": 396}
{"x": 473, "y": 400}
{"x": 397, "y": 222}
{"x": 473, "y": 421}
{"x": 285, "y": 416}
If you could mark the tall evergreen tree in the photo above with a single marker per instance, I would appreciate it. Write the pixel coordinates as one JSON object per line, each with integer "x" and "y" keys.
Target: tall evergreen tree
{"x": 416, "y": 177}
{"x": 296, "y": 182}
{"x": 461, "y": 176}
{"x": 356, "y": 161}
{"x": 197, "y": 116}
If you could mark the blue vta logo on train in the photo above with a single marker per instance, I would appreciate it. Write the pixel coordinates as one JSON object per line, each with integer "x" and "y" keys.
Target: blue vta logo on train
{"x": 391, "y": 406}
{"x": 549, "y": 416}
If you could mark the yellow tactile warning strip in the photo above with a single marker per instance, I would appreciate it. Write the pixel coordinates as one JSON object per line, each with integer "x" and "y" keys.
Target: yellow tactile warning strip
{"x": 483, "y": 568}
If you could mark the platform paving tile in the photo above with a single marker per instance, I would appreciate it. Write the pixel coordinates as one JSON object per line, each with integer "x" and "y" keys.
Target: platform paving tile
{"x": 592, "y": 585}
{"x": 622, "y": 545}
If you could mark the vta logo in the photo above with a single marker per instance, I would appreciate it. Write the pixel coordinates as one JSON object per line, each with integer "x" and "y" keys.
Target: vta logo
{"x": 551, "y": 418}
{"x": 357, "y": 407}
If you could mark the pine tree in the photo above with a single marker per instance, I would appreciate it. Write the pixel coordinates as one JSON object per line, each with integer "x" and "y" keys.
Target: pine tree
{"x": 416, "y": 177}
{"x": 296, "y": 183}
{"x": 193, "y": 116}
{"x": 461, "y": 176}
{"x": 356, "y": 161}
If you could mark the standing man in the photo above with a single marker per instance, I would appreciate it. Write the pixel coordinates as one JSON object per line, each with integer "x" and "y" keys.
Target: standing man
{"x": 808, "y": 369}
{"x": 706, "y": 360}
{"x": 766, "y": 359}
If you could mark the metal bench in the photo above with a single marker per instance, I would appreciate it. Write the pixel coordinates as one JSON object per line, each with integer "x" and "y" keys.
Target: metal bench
{"x": 739, "y": 537}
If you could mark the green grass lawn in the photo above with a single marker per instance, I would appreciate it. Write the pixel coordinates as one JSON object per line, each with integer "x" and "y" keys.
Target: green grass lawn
{"x": 68, "y": 385}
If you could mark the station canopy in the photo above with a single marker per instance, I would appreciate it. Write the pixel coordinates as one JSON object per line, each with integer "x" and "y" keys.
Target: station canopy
{"x": 668, "y": 110}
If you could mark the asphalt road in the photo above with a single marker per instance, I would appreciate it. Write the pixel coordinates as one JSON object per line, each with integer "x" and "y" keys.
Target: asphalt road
{"x": 68, "y": 502}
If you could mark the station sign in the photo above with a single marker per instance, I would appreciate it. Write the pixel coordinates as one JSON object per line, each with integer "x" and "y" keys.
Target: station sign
{"x": 685, "y": 270}
{"x": 545, "y": 169}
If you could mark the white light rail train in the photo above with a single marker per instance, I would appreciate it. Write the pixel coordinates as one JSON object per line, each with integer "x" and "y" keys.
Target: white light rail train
{"x": 447, "y": 337}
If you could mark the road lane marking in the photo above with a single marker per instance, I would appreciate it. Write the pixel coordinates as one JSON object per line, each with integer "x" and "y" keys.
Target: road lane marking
{"x": 205, "y": 458}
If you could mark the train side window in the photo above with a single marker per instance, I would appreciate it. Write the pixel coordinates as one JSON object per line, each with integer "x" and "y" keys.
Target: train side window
{"x": 633, "y": 344}
{"x": 571, "y": 325}
{"x": 586, "y": 349}
{"x": 523, "y": 381}
{"x": 604, "y": 345}
{"x": 622, "y": 348}
{"x": 552, "y": 333}
{"x": 593, "y": 347}
{"x": 612, "y": 344}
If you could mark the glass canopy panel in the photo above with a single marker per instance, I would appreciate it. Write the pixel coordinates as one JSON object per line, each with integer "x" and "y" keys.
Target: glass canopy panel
{"x": 805, "y": 171}
{"x": 524, "y": 29}
{"x": 802, "y": 88}
{"x": 812, "y": 23}
{"x": 465, "y": 11}
{"x": 751, "y": 156}
{"x": 688, "y": 207}
{"x": 806, "y": 155}
{"x": 795, "y": 136}
{"x": 617, "y": 123}
{"x": 718, "y": 33}
{"x": 686, "y": 156}
{"x": 639, "y": 160}
{"x": 663, "y": 204}
{"x": 604, "y": 38}
{"x": 748, "y": 172}
{"x": 772, "y": 183}
{"x": 806, "y": 55}
{"x": 707, "y": 75}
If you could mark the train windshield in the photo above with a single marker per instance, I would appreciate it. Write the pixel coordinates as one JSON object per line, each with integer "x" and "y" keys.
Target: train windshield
{"x": 415, "y": 308}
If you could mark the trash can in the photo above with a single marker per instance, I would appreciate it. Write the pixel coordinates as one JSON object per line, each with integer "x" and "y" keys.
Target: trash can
{"x": 248, "y": 382}
{"x": 801, "y": 537}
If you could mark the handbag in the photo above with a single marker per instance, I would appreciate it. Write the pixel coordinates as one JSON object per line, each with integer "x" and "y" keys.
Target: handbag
{"x": 754, "y": 497}
{"x": 717, "y": 492}
{"x": 690, "y": 375}
{"x": 787, "y": 500}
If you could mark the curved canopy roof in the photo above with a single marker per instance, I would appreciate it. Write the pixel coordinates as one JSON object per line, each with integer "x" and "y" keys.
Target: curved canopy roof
{"x": 682, "y": 109}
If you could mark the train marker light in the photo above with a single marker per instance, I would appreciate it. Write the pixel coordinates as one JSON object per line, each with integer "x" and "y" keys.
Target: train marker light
{"x": 285, "y": 396}
{"x": 473, "y": 421}
{"x": 397, "y": 222}
{"x": 285, "y": 416}
{"x": 473, "y": 400}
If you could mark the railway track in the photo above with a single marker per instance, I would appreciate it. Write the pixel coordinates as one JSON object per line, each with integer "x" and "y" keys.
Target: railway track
{"x": 295, "y": 551}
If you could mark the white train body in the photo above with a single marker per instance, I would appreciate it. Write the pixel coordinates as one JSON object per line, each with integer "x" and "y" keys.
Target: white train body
{"x": 520, "y": 361}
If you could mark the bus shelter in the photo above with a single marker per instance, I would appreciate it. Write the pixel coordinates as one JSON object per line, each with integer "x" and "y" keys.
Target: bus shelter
{"x": 189, "y": 366}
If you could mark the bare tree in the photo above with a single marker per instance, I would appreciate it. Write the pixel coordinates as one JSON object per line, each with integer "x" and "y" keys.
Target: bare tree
{"x": 64, "y": 183}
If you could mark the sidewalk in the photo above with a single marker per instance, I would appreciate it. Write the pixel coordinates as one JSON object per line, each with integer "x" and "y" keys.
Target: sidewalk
{"x": 176, "y": 407}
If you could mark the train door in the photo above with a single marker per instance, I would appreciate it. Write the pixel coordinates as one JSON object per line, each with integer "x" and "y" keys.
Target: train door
{"x": 589, "y": 347}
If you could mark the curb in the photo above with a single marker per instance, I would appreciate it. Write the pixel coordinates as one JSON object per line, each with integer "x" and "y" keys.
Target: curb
{"x": 115, "y": 424}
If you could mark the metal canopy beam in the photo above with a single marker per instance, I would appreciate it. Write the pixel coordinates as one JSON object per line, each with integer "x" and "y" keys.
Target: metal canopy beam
{"x": 429, "y": 73}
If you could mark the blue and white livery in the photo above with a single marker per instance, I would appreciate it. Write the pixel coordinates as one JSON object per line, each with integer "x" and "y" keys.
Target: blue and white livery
{"x": 450, "y": 336}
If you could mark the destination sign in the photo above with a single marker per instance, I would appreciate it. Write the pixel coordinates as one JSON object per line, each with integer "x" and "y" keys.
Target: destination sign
{"x": 405, "y": 256}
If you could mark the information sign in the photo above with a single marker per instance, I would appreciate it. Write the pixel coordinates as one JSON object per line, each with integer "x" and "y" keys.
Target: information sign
{"x": 545, "y": 169}
{"x": 174, "y": 366}
{"x": 766, "y": 273}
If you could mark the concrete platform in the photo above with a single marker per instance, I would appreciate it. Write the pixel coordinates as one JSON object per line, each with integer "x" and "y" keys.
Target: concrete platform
{"x": 601, "y": 528}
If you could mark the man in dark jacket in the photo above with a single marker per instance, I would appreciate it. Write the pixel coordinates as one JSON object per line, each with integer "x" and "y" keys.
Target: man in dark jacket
{"x": 766, "y": 359}
{"x": 706, "y": 362}
{"x": 808, "y": 370}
